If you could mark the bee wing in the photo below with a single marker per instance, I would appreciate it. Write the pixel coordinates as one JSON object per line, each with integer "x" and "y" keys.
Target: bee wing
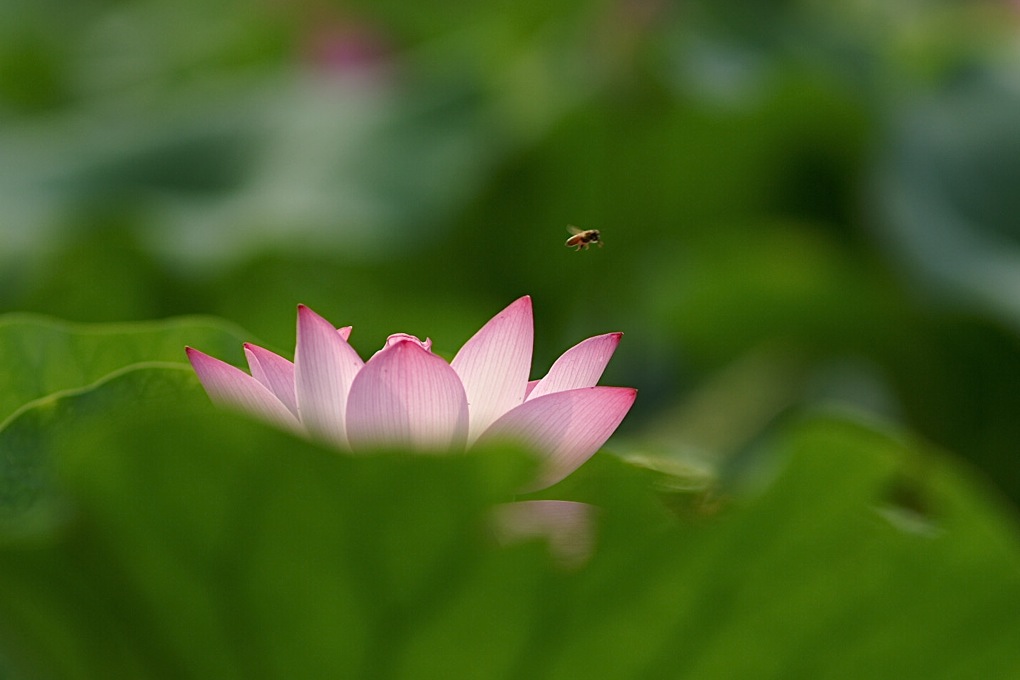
{"x": 574, "y": 230}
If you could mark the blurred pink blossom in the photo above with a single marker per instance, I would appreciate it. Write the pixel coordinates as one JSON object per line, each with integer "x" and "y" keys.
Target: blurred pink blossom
{"x": 567, "y": 527}
{"x": 406, "y": 396}
{"x": 348, "y": 47}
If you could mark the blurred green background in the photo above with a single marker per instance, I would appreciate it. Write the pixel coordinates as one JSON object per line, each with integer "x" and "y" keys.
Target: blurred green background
{"x": 812, "y": 244}
{"x": 803, "y": 203}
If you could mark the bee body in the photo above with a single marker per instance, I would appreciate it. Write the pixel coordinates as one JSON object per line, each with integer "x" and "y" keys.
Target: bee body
{"x": 583, "y": 238}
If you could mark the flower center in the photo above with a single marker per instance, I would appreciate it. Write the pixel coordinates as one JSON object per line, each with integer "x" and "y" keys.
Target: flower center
{"x": 405, "y": 337}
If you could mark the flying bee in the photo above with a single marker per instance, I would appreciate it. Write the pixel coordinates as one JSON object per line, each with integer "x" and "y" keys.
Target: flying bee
{"x": 582, "y": 238}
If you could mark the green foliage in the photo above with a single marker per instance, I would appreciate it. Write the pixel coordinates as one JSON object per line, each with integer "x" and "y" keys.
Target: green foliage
{"x": 50, "y": 372}
{"x": 801, "y": 203}
{"x": 43, "y": 356}
{"x": 181, "y": 541}
{"x": 28, "y": 437}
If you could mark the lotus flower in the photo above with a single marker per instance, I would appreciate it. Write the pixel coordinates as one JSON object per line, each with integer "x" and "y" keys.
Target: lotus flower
{"x": 406, "y": 396}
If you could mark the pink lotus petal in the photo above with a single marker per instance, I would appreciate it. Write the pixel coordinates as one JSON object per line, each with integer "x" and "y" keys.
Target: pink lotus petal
{"x": 495, "y": 363}
{"x": 345, "y": 332}
{"x": 273, "y": 371}
{"x": 580, "y": 366}
{"x": 566, "y": 428}
{"x": 532, "y": 384}
{"x": 324, "y": 368}
{"x": 229, "y": 386}
{"x": 568, "y": 527}
{"x": 407, "y": 396}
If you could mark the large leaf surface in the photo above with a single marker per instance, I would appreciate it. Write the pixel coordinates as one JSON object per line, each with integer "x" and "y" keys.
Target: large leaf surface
{"x": 195, "y": 544}
{"x": 29, "y": 436}
{"x": 40, "y": 356}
